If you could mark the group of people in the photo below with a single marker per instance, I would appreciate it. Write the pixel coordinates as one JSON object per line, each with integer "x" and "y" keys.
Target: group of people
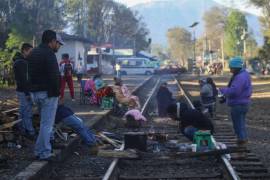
{"x": 96, "y": 89}
{"x": 237, "y": 95}
{"x": 190, "y": 120}
{"x": 38, "y": 80}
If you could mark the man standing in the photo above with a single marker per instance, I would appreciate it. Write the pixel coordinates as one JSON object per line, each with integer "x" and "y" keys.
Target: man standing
{"x": 66, "y": 69}
{"x": 238, "y": 95}
{"x": 20, "y": 68}
{"x": 45, "y": 88}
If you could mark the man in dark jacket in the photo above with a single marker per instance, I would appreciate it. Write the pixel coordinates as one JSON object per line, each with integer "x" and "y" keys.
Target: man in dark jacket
{"x": 20, "y": 68}
{"x": 164, "y": 99}
{"x": 191, "y": 120}
{"x": 44, "y": 76}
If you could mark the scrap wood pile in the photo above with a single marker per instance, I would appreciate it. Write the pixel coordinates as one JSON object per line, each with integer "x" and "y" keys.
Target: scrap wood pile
{"x": 8, "y": 119}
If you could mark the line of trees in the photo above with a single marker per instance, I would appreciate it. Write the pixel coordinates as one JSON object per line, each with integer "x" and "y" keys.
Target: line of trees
{"x": 226, "y": 34}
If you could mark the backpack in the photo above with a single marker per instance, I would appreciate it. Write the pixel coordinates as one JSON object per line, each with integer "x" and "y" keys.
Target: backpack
{"x": 67, "y": 69}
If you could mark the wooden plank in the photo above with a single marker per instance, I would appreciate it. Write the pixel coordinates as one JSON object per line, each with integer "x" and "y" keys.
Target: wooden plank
{"x": 10, "y": 110}
{"x": 10, "y": 124}
{"x": 254, "y": 175}
{"x": 135, "y": 154}
{"x": 107, "y": 139}
{"x": 169, "y": 176}
{"x": 251, "y": 169}
{"x": 246, "y": 163}
{"x": 131, "y": 154}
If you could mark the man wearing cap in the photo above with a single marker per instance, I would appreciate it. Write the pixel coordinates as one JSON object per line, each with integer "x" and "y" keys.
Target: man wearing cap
{"x": 44, "y": 78}
{"x": 238, "y": 93}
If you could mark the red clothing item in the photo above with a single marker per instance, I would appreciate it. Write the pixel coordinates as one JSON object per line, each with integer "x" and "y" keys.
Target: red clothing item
{"x": 69, "y": 81}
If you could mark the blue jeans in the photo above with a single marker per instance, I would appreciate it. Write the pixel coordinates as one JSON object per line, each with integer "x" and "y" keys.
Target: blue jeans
{"x": 238, "y": 115}
{"x": 77, "y": 125}
{"x": 47, "y": 109}
{"x": 25, "y": 113}
{"x": 189, "y": 132}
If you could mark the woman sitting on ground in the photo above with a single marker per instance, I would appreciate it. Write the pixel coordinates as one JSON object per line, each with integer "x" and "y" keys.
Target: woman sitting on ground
{"x": 123, "y": 95}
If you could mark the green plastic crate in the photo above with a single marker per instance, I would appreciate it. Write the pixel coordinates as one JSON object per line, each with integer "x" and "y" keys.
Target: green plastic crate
{"x": 203, "y": 139}
{"x": 107, "y": 103}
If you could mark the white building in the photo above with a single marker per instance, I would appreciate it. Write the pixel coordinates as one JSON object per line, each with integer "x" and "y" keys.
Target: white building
{"x": 77, "y": 48}
{"x": 106, "y": 58}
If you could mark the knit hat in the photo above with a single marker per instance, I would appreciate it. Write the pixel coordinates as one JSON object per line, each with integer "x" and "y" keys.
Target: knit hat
{"x": 236, "y": 62}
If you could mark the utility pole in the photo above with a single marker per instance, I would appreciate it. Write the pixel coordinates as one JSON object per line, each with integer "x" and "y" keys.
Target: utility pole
{"x": 210, "y": 52}
{"x": 222, "y": 53}
{"x": 194, "y": 46}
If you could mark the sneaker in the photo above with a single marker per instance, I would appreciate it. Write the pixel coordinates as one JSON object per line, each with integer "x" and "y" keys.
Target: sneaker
{"x": 242, "y": 143}
{"x": 73, "y": 100}
{"x": 94, "y": 150}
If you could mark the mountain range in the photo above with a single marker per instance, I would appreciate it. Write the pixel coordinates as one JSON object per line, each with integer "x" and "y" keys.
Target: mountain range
{"x": 159, "y": 16}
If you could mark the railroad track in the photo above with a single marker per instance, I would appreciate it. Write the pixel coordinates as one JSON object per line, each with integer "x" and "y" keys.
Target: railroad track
{"x": 245, "y": 166}
{"x": 21, "y": 163}
{"x": 82, "y": 165}
{"x": 220, "y": 167}
{"x": 156, "y": 164}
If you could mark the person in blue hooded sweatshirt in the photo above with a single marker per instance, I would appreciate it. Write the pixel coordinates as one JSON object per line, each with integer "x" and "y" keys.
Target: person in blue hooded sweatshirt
{"x": 238, "y": 97}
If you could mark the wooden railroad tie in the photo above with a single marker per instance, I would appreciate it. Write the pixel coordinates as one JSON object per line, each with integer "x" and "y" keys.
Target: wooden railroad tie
{"x": 134, "y": 154}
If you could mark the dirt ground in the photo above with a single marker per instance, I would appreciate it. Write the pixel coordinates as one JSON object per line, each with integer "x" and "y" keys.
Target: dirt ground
{"x": 258, "y": 121}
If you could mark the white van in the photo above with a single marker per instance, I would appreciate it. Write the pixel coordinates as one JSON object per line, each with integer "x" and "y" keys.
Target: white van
{"x": 134, "y": 65}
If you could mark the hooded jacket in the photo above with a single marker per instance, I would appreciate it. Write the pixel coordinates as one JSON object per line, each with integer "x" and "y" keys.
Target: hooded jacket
{"x": 20, "y": 69}
{"x": 240, "y": 89}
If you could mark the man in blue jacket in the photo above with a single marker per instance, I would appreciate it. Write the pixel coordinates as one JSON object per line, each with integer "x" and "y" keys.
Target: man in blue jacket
{"x": 238, "y": 94}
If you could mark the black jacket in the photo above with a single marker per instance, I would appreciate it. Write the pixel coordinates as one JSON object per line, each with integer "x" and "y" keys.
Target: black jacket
{"x": 164, "y": 97}
{"x": 43, "y": 70}
{"x": 197, "y": 119}
{"x": 20, "y": 68}
{"x": 62, "y": 112}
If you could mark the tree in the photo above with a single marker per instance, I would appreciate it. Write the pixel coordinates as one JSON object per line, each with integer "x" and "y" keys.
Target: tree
{"x": 24, "y": 21}
{"x": 180, "y": 44}
{"x": 159, "y": 51}
{"x": 107, "y": 22}
{"x": 215, "y": 22}
{"x": 265, "y": 18}
{"x": 235, "y": 29}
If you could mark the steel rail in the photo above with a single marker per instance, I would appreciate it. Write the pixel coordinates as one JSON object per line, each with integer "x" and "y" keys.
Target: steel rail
{"x": 233, "y": 175}
{"x": 112, "y": 166}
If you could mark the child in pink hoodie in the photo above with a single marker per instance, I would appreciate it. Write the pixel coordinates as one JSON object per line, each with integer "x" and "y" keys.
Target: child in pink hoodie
{"x": 134, "y": 119}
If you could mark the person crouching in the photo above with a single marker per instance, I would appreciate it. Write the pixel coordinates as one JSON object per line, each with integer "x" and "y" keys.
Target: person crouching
{"x": 68, "y": 118}
{"x": 190, "y": 120}
{"x": 134, "y": 119}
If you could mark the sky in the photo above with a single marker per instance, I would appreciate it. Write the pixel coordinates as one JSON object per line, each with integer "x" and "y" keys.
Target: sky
{"x": 241, "y": 4}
